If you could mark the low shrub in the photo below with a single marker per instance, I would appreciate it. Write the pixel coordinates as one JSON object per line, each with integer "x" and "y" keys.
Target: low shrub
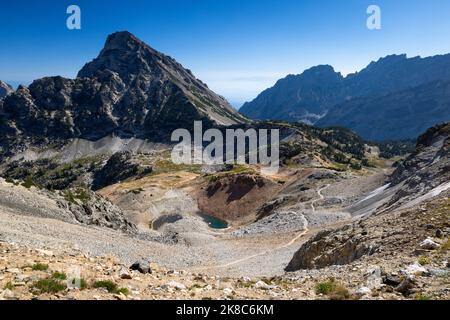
{"x": 40, "y": 267}
{"x": 111, "y": 287}
{"x": 49, "y": 286}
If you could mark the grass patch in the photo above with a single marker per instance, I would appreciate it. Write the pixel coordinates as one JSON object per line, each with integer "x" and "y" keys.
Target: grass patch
{"x": 164, "y": 164}
{"x": 340, "y": 293}
{"x": 446, "y": 245}
{"x": 108, "y": 285}
{"x": 49, "y": 286}
{"x": 77, "y": 195}
{"x": 236, "y": 170}
{"x": 422, "y": 296}
{"x": 59, "y": 275}
{"x": 248, "y": 284}
{"x": 340, "y": 167}
{"x": 325, "y": 287}
{"x": 423, "y": 261}
{"x": 28, "y": 183}
{"x": 83, "y": 283}
{"x": 333, "y": 289}
{"x": 123, "y": 291}
{"x": 40, "y": 267}
{"x": 9, "y": 286}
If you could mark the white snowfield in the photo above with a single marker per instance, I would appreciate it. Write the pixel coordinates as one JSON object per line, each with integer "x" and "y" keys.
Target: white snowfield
{"x": 431, "y": 194}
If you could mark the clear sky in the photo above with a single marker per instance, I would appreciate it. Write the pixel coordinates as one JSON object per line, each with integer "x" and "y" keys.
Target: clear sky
{"x": 238, "y": 47}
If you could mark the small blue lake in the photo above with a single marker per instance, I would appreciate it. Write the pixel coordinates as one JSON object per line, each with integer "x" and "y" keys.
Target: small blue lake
{"x": 213, "y": 222}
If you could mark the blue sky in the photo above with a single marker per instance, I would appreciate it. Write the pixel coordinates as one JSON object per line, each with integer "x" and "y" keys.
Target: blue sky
{"x": 238, "y": 47}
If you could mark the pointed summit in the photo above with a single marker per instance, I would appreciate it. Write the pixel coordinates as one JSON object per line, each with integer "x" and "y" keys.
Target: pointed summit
{"x": 122, "y": 40}
{"x": 123, "y": 54}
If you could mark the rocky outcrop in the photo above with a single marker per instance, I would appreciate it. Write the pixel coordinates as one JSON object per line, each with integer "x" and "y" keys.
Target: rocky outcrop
{"x": 432, "y": 151}
{"x": 98, "y": 211}
{"x": 73, "y": 205}
{"x": 425, "y": 171}
{"x": 327, "y": 249}
{"x": 119, "y": 167}
{"x": 129, "y": 90}
{"x": 380, "y": 237}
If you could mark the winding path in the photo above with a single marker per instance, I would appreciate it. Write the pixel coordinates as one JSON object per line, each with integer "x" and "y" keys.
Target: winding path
{"x": 321, "y": 197}
{"x": 286, "y": 245}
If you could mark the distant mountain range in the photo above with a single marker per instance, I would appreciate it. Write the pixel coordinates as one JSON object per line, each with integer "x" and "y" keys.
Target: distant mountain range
{"x": 129, "y": 90}
{"x": 132, "y": 90}
{"x": 393, "y": 98}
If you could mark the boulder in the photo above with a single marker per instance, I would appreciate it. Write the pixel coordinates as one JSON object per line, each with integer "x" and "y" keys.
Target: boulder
{"x": 329, "y": 248}
{"x": 124, "y": 274}
{"x": 405, "y": 286}
{"x": 429, "y": 244}
{"x": 176, "y": 285}
{"x": 141, "y": 266}
{"x": 264, "y": 286}
{"x": 363, "y": 291}
{"x": 414, "y": 269}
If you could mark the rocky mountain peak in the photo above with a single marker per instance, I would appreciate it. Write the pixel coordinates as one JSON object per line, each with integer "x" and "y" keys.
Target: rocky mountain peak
{"x": 125, "y": 55}
{"x": 123, "y": 40}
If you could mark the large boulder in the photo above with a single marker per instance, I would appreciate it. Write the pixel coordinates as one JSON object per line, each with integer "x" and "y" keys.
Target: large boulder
{"x": 329, "y": 248}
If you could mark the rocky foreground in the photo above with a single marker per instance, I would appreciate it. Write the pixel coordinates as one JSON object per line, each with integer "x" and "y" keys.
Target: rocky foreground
{"x": 411, "y": 262}
{"x": 333, "y": 233}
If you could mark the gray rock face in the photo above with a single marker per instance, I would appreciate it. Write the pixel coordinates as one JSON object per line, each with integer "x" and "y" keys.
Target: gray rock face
{"x": 426, "y": 169}
{"x": 324, "y": 250}
{"x": 130, "y": 90}
{"x": 87, "y": 208}
{"x": 100, "y": 212}
{"x": 392, "y": 98}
